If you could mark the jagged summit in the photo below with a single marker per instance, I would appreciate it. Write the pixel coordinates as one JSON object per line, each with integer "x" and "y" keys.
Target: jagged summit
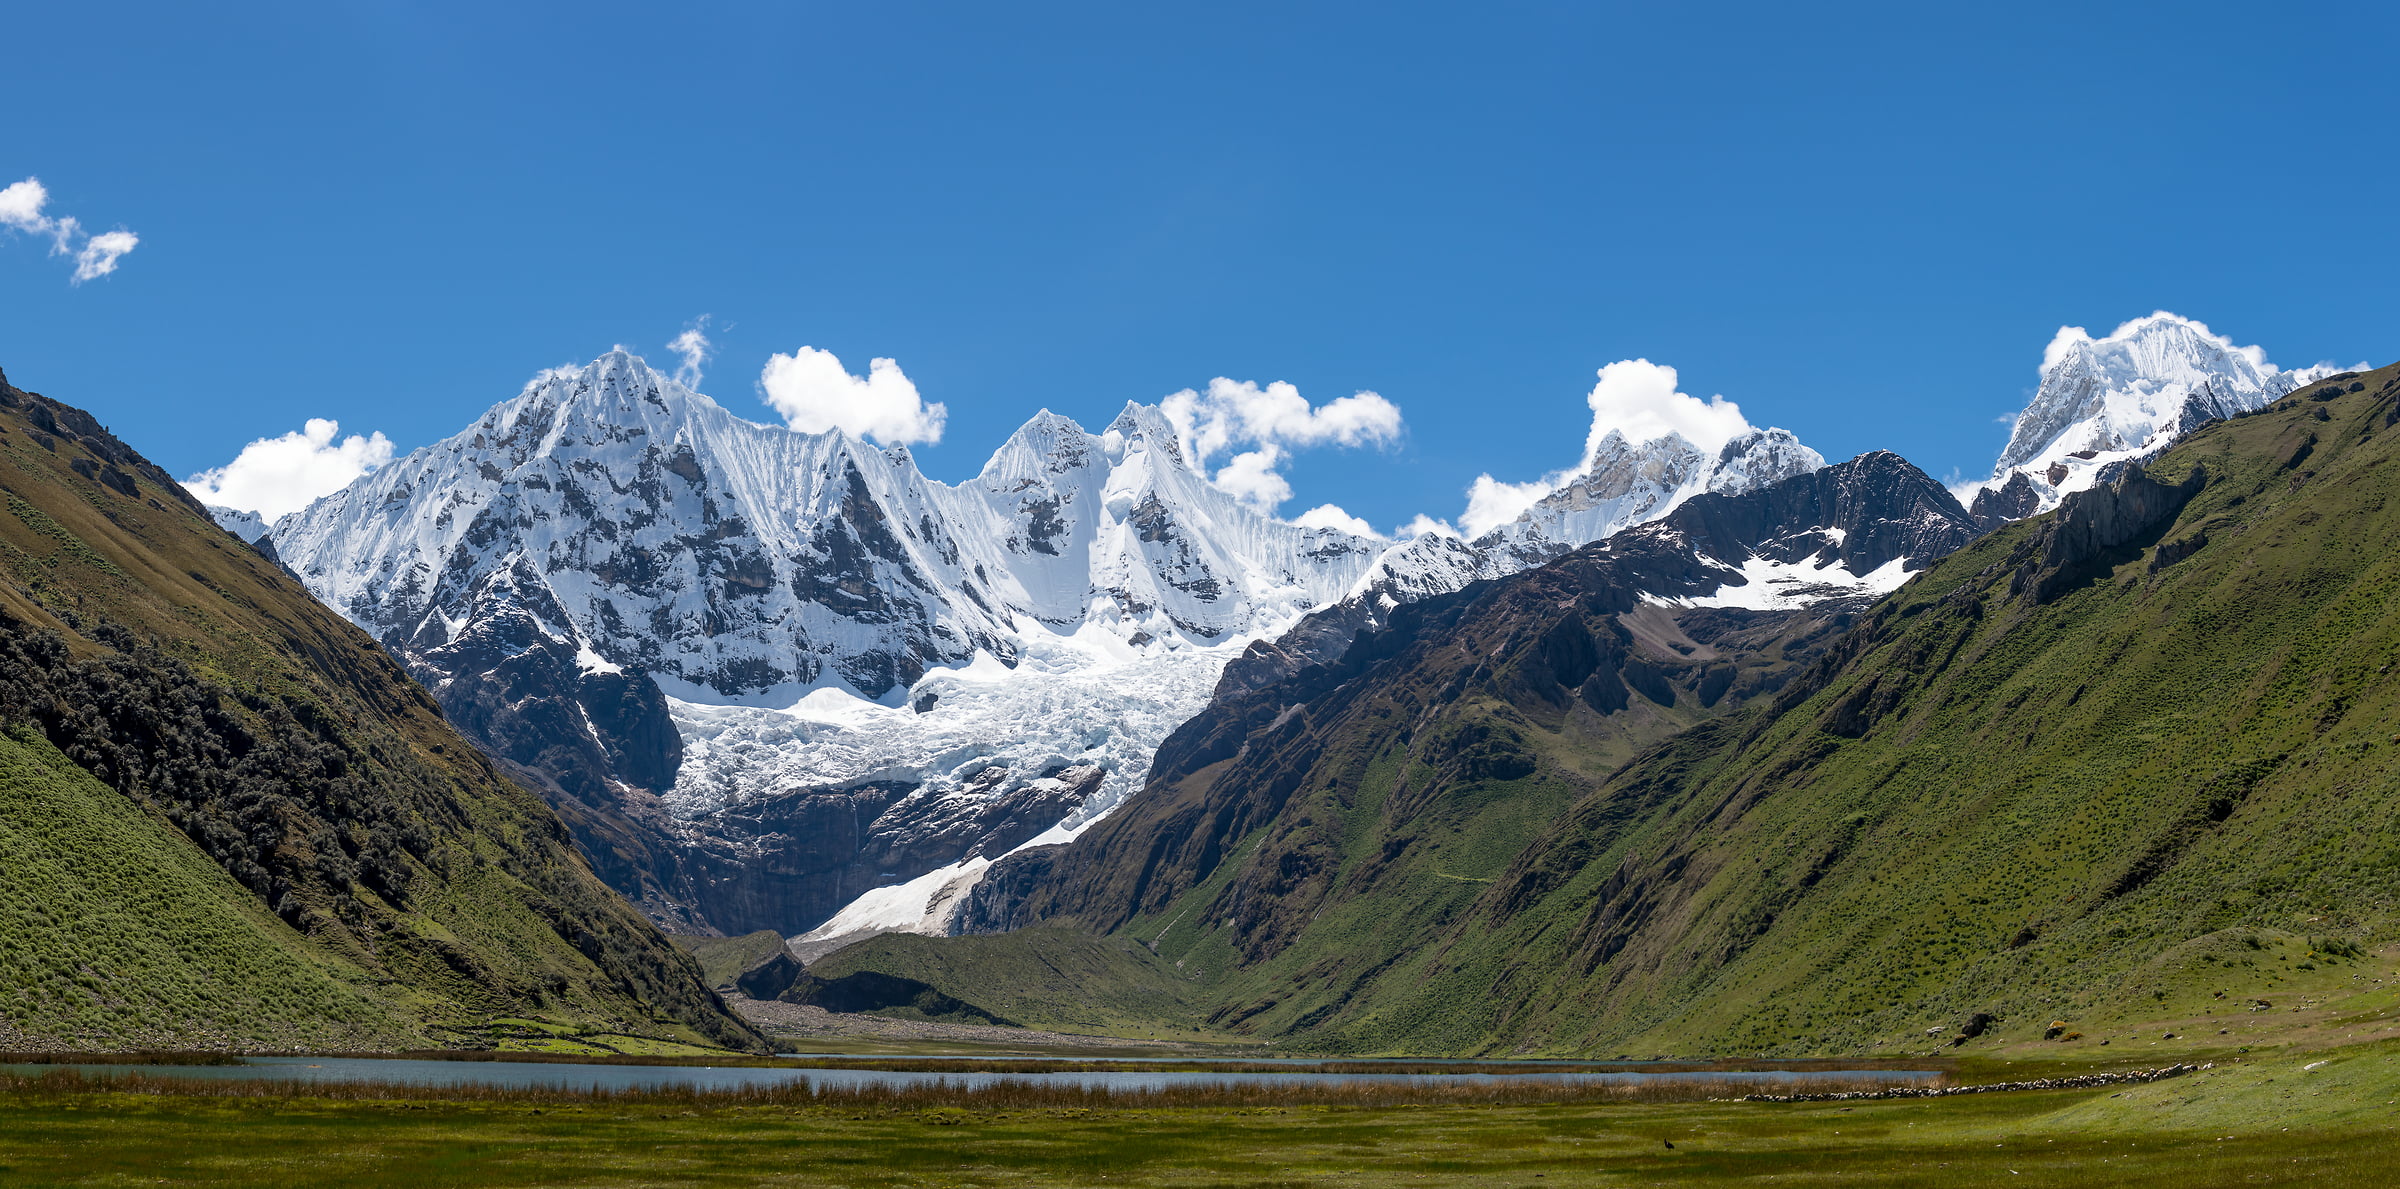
{"x": 1625, "y": 483}
{"x": 737, "y": 560}
{"x": 2124, "y": 396}
{"x": 1628, "y": 483}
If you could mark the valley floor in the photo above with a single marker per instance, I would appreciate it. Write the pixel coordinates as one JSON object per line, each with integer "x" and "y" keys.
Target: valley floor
{"x": 2319, "y": 1117}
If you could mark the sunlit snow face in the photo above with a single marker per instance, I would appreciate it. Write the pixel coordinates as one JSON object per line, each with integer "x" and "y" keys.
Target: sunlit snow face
{"x": 1787, "y": 586}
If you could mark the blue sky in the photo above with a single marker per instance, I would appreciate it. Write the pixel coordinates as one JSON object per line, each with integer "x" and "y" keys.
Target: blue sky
{"x": 1860, "y": 223}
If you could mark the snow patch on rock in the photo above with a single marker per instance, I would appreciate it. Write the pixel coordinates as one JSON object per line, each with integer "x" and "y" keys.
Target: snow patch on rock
{"x": 1768, "y": 585}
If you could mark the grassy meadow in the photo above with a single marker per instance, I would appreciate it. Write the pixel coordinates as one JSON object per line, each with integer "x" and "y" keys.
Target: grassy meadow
{"x": 2316, "y": 1116}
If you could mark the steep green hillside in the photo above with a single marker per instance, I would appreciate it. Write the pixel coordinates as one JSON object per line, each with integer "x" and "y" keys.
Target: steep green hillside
{"x": 1067, "y": 980}
{"x": 114, "y": 930}
{"x": 723, "y": 959}
{"x": 2132, "y": 761}
{"x": 299, "y": 850}
{"x": 2089, "y": 767}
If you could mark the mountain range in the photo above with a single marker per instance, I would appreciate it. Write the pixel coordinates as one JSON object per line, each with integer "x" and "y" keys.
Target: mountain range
{"x": 769, "y": 675}
{"x": 1631, "y": 768}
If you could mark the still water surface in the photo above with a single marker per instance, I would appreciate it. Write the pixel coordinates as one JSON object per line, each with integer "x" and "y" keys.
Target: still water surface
{"x": 400, "y": 1071}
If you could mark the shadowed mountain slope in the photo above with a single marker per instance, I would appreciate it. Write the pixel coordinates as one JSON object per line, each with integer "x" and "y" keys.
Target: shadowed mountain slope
{"x": 233, "y": 821}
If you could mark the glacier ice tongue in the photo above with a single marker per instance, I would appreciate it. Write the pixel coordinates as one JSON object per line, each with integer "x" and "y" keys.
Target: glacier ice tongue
{"x": 1067, "y": 701}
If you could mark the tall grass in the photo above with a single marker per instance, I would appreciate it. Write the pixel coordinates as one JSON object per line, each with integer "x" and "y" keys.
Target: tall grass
{"x": 130, "y": 1057}
{"x": 1004, "y": 1094}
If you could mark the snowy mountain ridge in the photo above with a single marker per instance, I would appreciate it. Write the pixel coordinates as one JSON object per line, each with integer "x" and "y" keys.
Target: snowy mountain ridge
{"x": 748, "y": 562}
{"x": 249, "y": 526}
{"x": 812, "y": 616}
{"x": 1629, "y": 483}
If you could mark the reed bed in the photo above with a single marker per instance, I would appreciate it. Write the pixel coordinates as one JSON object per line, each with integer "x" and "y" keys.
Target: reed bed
{"x": 1004, "y": 1094}
{"x": 131, "y": 1057}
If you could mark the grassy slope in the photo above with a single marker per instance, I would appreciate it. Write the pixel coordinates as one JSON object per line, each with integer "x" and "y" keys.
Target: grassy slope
{"x": 1331, "y": 845}
{"x": 115, "y": 930}
{"x": 722, "y": 959}
{"x": 2098, "y": 811}
{"x": 1069, "y": 981}
{"x": 420, "y": 878}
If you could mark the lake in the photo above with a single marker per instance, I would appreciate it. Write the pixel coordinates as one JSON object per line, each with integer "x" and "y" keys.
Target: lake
{"x": 520, "y": 1075}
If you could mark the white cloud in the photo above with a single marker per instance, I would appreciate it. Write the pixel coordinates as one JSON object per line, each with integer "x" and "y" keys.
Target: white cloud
{"x": 1492, "y": 503}
{"x": 1422, "y": 525}
{"x": 273, "y": 476}
{"x": 1250, "y": 477}
{"x": 1334, "y": 517}
{"x": 98, "y": 256}
{"x": 694, "y": 348}
{"x": 815, "y": 394}
{"x": 1273, "y": 421}
{"x": 1638, "y": 399}
{"x": 21, "y": 206}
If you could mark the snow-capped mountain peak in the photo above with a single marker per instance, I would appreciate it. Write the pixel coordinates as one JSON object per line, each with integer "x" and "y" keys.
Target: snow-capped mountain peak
{"x": 739, "y": 559}
{"x": 2123, "y": 396}
{"x": 249, "y": 526}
